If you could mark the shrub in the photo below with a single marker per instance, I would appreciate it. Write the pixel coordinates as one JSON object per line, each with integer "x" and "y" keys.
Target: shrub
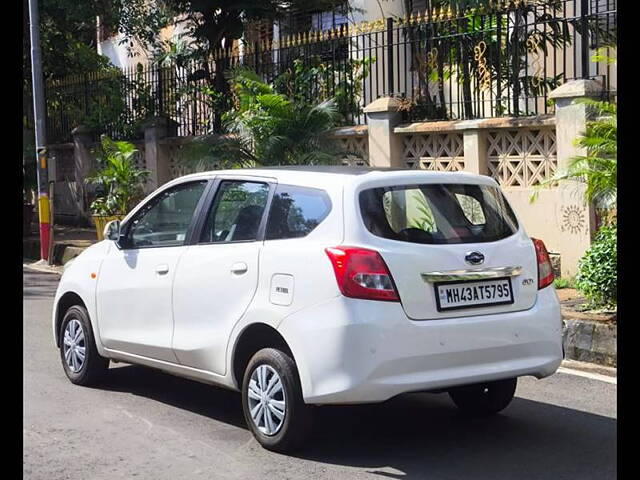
{"x": 597, "y": 277}
{"x": 119, "y": 183}
{"x": 563, "y": 282}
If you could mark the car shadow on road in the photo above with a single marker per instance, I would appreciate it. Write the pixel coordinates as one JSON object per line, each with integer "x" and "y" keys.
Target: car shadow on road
{"x": 417, "y": 436}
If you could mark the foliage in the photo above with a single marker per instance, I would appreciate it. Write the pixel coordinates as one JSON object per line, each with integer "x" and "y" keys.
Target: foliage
{"x": 119, "y": 183}
{"x": 211, "y": 23}
{"x": 267, "y": 128}
{"x": 597, "y": 277}
{"x": 313, "y": 79}
{"x": 67, "y": 37}
{"x": 563, "y": 282}
{"x": 598, "y": 168}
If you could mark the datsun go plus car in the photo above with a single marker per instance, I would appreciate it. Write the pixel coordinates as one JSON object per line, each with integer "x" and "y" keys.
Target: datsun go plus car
{"x": 311, "y": 286}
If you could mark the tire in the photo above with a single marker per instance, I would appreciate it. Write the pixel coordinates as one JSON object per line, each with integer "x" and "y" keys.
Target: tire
{"x": 90, "y": 370}
{"x": 289, "y": 432}
{"x": 484, "y": 399}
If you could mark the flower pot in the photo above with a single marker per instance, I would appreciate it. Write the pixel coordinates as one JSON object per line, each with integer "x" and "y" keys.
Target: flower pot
{"x": 27, "y": 218}
{"x": 101, "y": 221}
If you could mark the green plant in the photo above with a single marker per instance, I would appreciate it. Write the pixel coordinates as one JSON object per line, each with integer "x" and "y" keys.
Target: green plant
{"x": 267, "y": 128}
{"x": 563, "y": 282}
{"x": 119, "y": 182}
{"x": 597, "y": 277}
{"x": 598, "y": 168}
{"x": 315, "y": 80}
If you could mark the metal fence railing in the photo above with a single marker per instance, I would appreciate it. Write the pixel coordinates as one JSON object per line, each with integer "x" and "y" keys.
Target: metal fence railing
{"x": 501, "y": 59}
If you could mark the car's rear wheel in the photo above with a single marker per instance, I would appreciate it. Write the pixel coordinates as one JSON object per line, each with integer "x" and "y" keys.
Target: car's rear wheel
{"x": 486, "y": 398}
{"x": 272, "y": 401}
{"x": 81, "y": 361}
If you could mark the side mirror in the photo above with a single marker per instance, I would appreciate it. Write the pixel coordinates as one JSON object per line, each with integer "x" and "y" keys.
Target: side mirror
{"x": 112, "y": 230}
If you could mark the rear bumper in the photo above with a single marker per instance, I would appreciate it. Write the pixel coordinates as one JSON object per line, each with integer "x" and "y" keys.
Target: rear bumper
{"x": 359, "y": 351}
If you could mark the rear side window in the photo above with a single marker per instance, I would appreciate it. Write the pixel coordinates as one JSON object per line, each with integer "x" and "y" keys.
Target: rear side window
{"x": 438, "y": 213}
{"x": 296, "y": 211}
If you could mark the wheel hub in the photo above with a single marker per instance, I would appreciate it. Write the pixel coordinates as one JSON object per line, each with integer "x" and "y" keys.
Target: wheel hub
{"x": 266, "y": 398}
{"x": 74, "y": 346}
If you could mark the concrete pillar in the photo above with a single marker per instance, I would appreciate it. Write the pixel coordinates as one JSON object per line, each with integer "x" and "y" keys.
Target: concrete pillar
{"x": 84, "y": 164}
{"x": 156, "y": 157}
{"x": 475, "y": 152}
{"x": 385, "y": 147}
{"x": 575, "y": 219}
{"x": 571, "y": 117}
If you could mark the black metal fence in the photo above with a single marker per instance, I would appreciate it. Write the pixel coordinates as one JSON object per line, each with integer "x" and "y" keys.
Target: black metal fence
{"x": 501, "y": 59}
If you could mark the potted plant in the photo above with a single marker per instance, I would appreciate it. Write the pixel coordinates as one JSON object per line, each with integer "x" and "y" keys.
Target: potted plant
{"x": 119, "y": 182}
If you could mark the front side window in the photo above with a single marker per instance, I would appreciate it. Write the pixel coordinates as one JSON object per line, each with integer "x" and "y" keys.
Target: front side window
{"x": 296, "y": 211}
{"x": 236, "y": 212}
{"x": 164, "y": 221}
{"x": 438, "y": 213}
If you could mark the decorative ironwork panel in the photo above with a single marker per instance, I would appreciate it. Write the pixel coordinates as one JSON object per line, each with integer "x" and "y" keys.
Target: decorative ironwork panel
{"x": 523, "y": 157}
{"x": 434, "y": 151}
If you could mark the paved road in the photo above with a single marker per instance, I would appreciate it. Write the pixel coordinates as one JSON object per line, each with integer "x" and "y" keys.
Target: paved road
{"x": 149, "y": 425}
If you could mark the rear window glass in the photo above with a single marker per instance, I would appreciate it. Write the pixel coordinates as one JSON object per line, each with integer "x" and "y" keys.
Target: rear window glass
{"x": 296, "y": 211}
{"x": 438, "y": 213}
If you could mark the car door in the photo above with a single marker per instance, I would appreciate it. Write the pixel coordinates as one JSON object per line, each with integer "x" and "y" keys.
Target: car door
{"x": 134, "y": 284}
{"x": 217, "y": 277}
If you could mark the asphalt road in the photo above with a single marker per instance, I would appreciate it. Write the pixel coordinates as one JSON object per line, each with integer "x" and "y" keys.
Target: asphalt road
{"x": 149, "y": 425}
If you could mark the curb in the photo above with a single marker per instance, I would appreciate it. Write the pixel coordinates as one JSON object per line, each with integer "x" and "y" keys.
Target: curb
{"x": 590, "y": 341}
{"x": 62, "y": 251}
{"x": 43, "y": 267}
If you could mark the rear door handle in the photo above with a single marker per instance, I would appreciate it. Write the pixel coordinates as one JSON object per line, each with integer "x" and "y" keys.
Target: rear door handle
{"x": 162, "y": 269}
{"x": 239, "y": 268}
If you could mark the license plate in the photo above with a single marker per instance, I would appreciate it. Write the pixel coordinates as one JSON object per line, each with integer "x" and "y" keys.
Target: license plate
{"x": 454, "y": 295}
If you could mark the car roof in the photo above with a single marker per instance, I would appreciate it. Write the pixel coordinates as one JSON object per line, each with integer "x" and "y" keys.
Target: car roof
{"x": 323, "y": 175}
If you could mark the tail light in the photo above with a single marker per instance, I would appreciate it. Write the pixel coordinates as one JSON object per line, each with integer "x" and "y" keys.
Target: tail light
{"x": 362, "y": 273}
{"x": 545, "y": 272}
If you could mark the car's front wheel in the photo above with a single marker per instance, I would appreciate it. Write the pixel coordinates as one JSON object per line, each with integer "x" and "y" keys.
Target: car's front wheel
{"x": 272, "y": 401}
{"x": 486, "y": 398}
{"x": 80, "y": 358}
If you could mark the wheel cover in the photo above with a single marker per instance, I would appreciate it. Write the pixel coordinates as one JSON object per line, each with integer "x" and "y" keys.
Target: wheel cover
{"x": 74, "y": 346}
{"x": 266, "y": 399}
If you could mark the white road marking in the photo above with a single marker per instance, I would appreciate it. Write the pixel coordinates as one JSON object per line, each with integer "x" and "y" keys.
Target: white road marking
{"x": 592, "y": 376}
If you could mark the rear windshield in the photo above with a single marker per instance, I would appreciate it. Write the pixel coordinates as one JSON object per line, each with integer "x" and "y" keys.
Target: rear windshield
{"x": 438, "y": 213}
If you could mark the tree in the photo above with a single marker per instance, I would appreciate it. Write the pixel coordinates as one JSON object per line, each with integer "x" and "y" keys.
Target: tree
{"x": 67, "y": 37}
{"x": 210, "y": 24}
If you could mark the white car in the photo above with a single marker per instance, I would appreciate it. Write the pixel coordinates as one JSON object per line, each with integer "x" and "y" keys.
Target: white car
{"x": 317, "y": 285}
